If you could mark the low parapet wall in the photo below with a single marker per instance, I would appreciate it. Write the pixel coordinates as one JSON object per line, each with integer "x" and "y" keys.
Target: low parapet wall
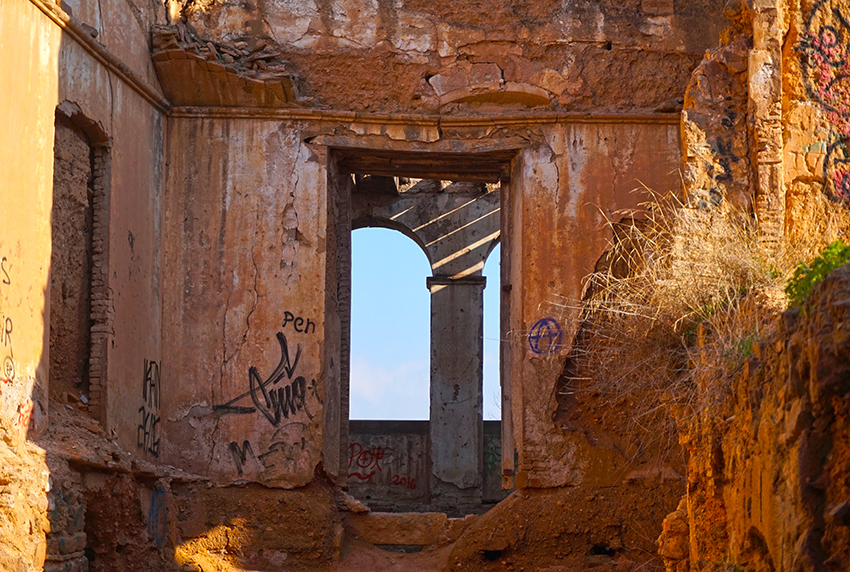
{"x": 389, "y": 467}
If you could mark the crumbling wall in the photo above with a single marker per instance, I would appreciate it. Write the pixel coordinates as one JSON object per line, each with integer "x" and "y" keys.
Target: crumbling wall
{"x": 55, "y": 65}
{"x": 715, "y": 119}
{"x": 27, "y": 161}
{"x": 591, "y": 173}
{"x": 416, "y": 57}
{"x": 70, "y": 272}
{"x": 246, "y": 239}
{"x": 237, "y": 179}
{"x": 765, "y": 491}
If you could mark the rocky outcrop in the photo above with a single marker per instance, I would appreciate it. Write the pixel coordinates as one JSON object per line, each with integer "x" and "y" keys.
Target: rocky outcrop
{"x": 767, "y": 476}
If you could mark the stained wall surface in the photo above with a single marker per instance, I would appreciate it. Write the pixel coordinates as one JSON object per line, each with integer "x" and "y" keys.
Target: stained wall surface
{"x": 585, "y": 55}
{"x": 110, "y": 115}
{"x": 52, "y": 63}
{"x": 245, "y": 221}
{"x": 28, "y": 104}
{"x": 131, "y": 128}
{"x": 246, "y": 225}
{"x": 564, "y": 191}
{"x": 243, "y": 228}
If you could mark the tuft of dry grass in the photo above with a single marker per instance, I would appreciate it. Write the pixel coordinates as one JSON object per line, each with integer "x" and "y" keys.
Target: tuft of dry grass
{"x": 676, "y": 306}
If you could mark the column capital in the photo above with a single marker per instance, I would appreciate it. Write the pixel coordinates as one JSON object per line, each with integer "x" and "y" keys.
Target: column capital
{"x": 444, "y": 280}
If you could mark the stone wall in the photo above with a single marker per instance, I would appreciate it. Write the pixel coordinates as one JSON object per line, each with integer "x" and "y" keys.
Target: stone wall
{"x": 816, "y": 116}
{"x": 413, "y": 56}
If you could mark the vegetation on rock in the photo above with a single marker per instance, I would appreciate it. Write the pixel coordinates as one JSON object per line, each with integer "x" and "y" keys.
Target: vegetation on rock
{"x": 808, "y": 275}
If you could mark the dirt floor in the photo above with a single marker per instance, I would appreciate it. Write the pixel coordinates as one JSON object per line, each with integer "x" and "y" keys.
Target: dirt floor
{"x": 110, "y": 510}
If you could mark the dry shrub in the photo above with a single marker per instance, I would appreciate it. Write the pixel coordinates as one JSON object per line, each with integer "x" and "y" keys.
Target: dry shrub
{"x": 674, "y": 307}
{"x": 813, "y": 221}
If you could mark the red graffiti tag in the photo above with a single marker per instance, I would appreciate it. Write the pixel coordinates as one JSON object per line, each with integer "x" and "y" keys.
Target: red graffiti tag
{"x": 22, "y": 421}
{"x": 404, "y": 482}
{"x": 366, "y": 462}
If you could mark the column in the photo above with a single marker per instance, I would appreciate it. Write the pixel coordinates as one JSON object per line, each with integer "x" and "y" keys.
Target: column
{"x": 456, "y": 427}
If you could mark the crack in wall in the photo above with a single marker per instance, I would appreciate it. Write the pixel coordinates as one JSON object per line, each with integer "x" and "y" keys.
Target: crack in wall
{"x": 251, "y": 311}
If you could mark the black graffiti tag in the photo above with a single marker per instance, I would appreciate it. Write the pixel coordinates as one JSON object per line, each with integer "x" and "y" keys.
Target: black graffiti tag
{"x": 147, "y": 432}
{"x": 275, "y": 403}
{"x": 240, "y": 454}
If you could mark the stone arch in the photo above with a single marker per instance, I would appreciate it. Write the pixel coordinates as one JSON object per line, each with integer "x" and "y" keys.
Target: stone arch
{"x": 457, "y": 224}
{"x": 383, "y": 222}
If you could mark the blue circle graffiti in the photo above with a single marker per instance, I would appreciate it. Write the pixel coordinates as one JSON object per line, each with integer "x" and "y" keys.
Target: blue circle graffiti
{"x": 545, "y": 336}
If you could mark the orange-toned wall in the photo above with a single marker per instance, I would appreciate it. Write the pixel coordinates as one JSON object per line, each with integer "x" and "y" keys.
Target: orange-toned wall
{"x": 71, "y": 73}
{"x": 245, "y": 231}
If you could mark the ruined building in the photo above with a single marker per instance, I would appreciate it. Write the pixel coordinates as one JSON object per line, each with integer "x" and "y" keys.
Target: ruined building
{"x": 180, "y": 184}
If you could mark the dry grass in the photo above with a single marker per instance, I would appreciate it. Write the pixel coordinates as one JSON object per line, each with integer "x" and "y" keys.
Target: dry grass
{"x": 675, "y": 308}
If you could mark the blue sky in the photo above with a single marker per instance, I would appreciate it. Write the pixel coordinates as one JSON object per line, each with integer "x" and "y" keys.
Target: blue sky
{"x": 390, "y": 328}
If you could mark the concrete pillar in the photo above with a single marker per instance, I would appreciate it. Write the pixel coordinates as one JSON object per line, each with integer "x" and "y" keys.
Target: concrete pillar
{"x": 457, "y": 349}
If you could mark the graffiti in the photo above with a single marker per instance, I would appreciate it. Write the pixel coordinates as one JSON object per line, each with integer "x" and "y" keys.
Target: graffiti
{"x": 22, "y": 420}
{"x": 158, "y": 517}
{"x": 816, "y": 147}
{"x": 404, "y": 482}
{"x": 240, "y": 454}
{"x": 825, "y": 60}
{"x": 6, "y": 333}
{"x": 7, "y": 374}
{"x": 366, "y": 462}
{"x": 284, "y": 455}
{"x": 4, "y": 272}
{"x": 8, "y": 370}
{"x": 298, "y": 322}
{"x": 493, "y": 457}
{"x": 279, "y": 402}
{"x": 147, "y": 432}
{"x": 545, "y": 336}
{"x": 276, "y": 403}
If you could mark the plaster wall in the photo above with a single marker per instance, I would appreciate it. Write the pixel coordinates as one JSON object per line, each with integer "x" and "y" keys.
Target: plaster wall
{"x": 27, "y": 103}
{"x": 122, "y": 27}
{"x": 245, "y": 226}
{"x": 563, "y": 191}
{"x": 46, "y": 66}
{"x": 133, "y": 131}
{"x": 115, "y": 117}
{"x": 245, "y": 220}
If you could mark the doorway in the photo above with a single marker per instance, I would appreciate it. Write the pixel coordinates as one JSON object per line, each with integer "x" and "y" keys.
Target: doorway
{"x": 457, "y": 223}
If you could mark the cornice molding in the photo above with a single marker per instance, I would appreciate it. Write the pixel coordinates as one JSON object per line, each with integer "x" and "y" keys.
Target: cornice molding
{"x": 76, "y": 31}
{"x": 428, "y": 120}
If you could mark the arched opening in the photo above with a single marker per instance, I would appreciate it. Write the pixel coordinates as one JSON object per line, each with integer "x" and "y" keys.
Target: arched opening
{"x": 390, "y": 327}
{"x": 492, "y": 336}
{"x": 432, "y": 458}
